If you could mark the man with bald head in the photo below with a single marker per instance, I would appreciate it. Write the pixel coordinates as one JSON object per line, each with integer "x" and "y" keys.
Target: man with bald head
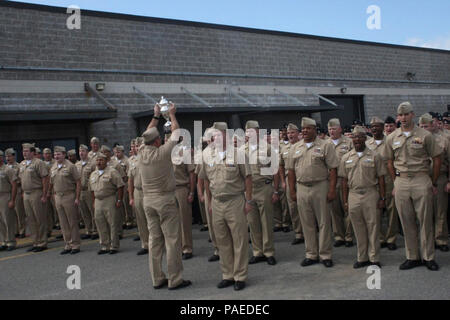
{"x": 312, "y": 176}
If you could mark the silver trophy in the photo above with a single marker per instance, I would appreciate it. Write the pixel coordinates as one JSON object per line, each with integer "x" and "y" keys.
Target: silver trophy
{"x": 164, "y": 105}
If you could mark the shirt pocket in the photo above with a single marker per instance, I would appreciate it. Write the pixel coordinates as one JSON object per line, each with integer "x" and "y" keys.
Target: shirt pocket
{"x": 397, "y": 145}
{"x": 231, "y": 172}
{"x": 416, "y": 149}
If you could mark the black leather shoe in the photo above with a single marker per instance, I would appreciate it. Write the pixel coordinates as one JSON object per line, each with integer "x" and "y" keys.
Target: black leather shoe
{"x": 383, "y": 245}
{"x": 254, "y": 259}
{"x": 22, "y": 236}
{"x": 142, "y": 252}
{"x": 297, "y": 241}
{"x": 432, "y": 265}
{"x": 59, "y": 237}
{"x": 271, "y": 261}
{"x": 209, "y": 240}
{"x": 113, "y": 251}
{"x": 94, "y": 237}
{"x": 137, "y": 238}
{"x": 286, "y": 229}
{"x": 16, "y": 235}
{"x": 120, "y": 237}
{"x": 204, "y": 229}
{"x": 443, "y": 248}
{"x": 339, "y": 243}
{"x": 11, "y": 248}
{"x": 239, "y": 285}
{"x": 225, "y": 283}
{"x": 75, "y": 251}
{"x": 162, "y": 285}
{"x": 327, "y": 263}
{"x": 65, "y": 251}
{"x": 348, "y": 244}
{"x": 183, "y": 284}
{"x": 32, "y": 249}
{"x": 213, "y": 258}
{"x": 85, "y": 236}
{"x": 49, "y": 234}
{"x": 376, "y": 264}
{"x": 392, "y": 246}
{"x": 186, "y": 256}
{"x": 308, "y": 262}
{"x": 103, "y": 251}
{"x": 359, "y": 265}
{"x": 3, "y": 248}
{"x": 409, "y": 264}
{"x": 40, "y": 249}
{"x": 277, "y": 229}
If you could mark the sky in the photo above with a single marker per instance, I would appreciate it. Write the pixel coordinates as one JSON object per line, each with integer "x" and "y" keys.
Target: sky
{"x": 415, "y": 22}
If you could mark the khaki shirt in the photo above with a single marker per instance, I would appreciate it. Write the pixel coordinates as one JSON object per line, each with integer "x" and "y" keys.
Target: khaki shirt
{"x": 49, "y": 164}
{"x": 16, "y": 167}
{"x": 134, "y": 172}
{"x": 362, "y": 173}
{"x": 284, "y": 154}
{"x": 118, "y": 166}
{"x": 125, "y": 163}
{"x": 226, "y": 178}
{"x": 444, "y": 144}
{"x": 85, "y": 168}
{"x": 92, "y": 155}
{"x": 105, "y": 184}
{"x": 156, "y": 168}
{"x": 343, "y": 146}
{"x": 312, "y": 164}
{"x": 7, "y": 177}
{"x": 182, "y": 173}
{"x": 413, "y": 153}
{"x": 64, "y": 178}
{"x": 31, "y": 175}
{"x": 263, "y": 161}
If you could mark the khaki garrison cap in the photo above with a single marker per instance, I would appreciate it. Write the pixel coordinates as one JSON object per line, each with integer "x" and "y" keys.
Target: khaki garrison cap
{"x": 376, "y": 120}
{"x": 308, "y": 122}
{"x": 359, "y": 129}
{"x": 150, "y": 135}
{"x": 251, "y": 124}
{"x": 71, "y": 152}
{"x": 220, "y": 126}
{"x": 47, "y": 150}
{"x": 38, "y": 150}
{"x": 101, "y": 155}
{"x": 292, "y": 126}
{"x": 426, "y": 118}
{"x": 27, "y": 146}
{"x": 120, "y": 148}
{"x": 104, "y": 148}
{"x": 60, "y": 149}
{"x": 139, "y": 140}
{"x": 334, "y": 123}
{"x": 95, "y": 140}
{"x": 10, "y": 152}
{"x": 83, "y": 147}
{"x": 404, "y": 107}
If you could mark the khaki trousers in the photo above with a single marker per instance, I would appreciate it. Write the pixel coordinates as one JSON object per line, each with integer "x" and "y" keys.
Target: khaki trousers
{"x": 164, "y": 231}
{"x": 107, "y": 220}
{"x": 36, "y": 217}
{"x": 260, "y": 221}
{"x": 68, "y": 219}
{"x": 314, "y": 210}
{"x": 342, "y": 226}
{"x": 414, "y": 200}
{"x": 7, "y": 221}
{"x": 129, "y": 217}
{"x": 440, "y": 206}
{"x": 230, "y": 227}
{"x": 87, "y": 212}
{"x": 212, "y": 235}
{"x": 295, "y": 216}
{"x": 390, "y": 234}
{"x": 281, "y": 211}
{"x": 50, "y": 211}
{"x": 20, "y": 213}
{"x": 203, "y": 213}
{"x": 182, "y": 193}
{"x": 366, "y": 220}
{"x": 140, "y": 217}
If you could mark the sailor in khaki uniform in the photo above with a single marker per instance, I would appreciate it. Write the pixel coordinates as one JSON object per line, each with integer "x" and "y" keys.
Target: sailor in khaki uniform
{"x": 409, "y": 149}
{"x": 8, "y": 193}
{"x": 378, "y": 144}
{"x": 86, "y": 209}
{"x": 293, "y": 136}
{"x": 106, "y": 186}
{"x": 362, "y": 170}
{"x": 204, "y": 194}
{"x": 125, "y": 163}
{"x": 50, "y": 208}
{"x": 260, "y": 218}
{"x": 228, "y": 178}
{"x": 342, "y": 227}
{"x": 18, "y": 207}
{"x": 34, "y": 180}
{"x": 72, "y": 156}
{"x": 95, "y": 149}
{"x": 184, "y": 192}
{"x": 160, "y": 204}
{"x": 440, "y": 200}
{"x": 136, "y": 196}
{"x": 65, "y": 185}
{"x": 312, "y": 165}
